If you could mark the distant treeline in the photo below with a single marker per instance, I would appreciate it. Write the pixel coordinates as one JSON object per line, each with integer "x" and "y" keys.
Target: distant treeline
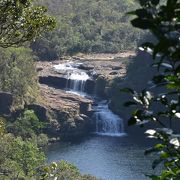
{"x": 88, "y": 26}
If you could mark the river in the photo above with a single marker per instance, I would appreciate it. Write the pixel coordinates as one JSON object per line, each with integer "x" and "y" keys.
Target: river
{"x": 109, "y": 158}
{"x": 109, "y": 154}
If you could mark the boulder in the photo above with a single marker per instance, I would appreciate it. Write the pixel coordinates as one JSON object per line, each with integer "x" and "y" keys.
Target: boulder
{"x": 85, "y": 107}
{"x": 116, "y": 68}
{"x": 113, "y": 73}
{"x": 6, "y": 101}
{"x": 86, "y": 67}
{"x": 89, "y": 86}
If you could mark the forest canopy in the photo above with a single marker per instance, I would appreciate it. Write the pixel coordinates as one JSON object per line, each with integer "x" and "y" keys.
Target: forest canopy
{"x": 21, "y": 22}
{"x": 88, "y": 26}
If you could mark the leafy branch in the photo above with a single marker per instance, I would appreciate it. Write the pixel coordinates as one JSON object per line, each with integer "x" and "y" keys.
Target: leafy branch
{"x": 162, "y": 20}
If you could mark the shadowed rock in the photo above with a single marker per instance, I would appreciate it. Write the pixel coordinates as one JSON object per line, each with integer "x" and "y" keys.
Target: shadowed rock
{"x": 6, "y": 100}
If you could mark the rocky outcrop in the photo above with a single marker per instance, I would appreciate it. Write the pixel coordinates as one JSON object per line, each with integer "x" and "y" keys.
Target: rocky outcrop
{"x": 53, "y": 81}
{"x": 67, "y": 113}
{"x": 6, "y": 101}
{"x": 86, "y": 67}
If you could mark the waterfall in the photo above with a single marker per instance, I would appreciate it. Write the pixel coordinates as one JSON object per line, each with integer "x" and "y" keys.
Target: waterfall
{"x": 77, "y": 81}
{"x": 107, "y": 123}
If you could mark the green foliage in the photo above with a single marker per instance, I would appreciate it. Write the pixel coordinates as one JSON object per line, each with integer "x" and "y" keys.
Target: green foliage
{"x": 62, "y": 170}
{"x": 87, "y": 26}
{"x": 163, "y": 21}
{"x": 18, "y": 158}
{"x": 20, "y": 21}
{"x": 18, "y": 75}
{"x": 26, "y": 125}
{"x": 2, "y": 126}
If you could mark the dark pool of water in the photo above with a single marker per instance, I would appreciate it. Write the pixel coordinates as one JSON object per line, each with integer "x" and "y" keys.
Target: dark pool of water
{"x": 109, "y": 158}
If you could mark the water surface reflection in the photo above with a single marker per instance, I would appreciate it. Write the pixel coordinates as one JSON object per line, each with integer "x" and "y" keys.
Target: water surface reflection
{"x": 111, "y": 158}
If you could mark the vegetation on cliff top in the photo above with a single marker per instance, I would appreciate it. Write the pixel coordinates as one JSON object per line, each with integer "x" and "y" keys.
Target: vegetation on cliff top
{"x": 88, "y": 26}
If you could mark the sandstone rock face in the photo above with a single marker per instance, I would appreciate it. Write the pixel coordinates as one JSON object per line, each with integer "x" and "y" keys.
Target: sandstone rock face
{"x": 6, "y": 100}
{"x": 53, "y": 81}
{"x": 66, "y": 112}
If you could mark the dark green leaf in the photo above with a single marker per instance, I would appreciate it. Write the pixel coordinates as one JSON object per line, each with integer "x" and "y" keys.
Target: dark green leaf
{"x": 156, "y": 163}
{"x": 142, "y": 23}
{"x": 155, "y": 2}
{"x": 142, "y": 13}
{"x": 129, "y": 103}
{"x": 127, "y": 90}
{"x": 131, "y": 121}
{"x": 149, "y": 151}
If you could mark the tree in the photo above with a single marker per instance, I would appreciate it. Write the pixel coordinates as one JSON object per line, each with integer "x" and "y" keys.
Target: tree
{"x": 2, "y": 128}
{"x": 87, "y": 26}
{"x": 61, "y": 170}
{"x": 162, "y": 109}
{"x": 20, "y": 21}
{"x": 18, "y": 75}
{"x": 27, "y": 125}
{"x": 19, "y": 158}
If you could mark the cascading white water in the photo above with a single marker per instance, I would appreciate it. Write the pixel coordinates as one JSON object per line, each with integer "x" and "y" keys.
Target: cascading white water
{"x": 107, "y": 123}
{"x": 76, "y": 79}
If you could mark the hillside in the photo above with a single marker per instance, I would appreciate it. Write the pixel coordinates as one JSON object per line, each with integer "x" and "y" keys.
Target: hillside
{"x": 88, "y": 26}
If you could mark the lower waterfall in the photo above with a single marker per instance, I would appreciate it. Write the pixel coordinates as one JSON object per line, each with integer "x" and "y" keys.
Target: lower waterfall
{"x": 107, "y": 123}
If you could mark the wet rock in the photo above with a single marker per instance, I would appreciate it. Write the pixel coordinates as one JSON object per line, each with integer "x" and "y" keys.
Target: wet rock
{"x": 101, "y": 83}
{"x": 116, "y": 68}
{"x": 85, "y": 107}
{"x": 6, "y": 100}
{"x": 39, "y": 69}
{"x": 53, "y": 81}
{"x": 79, "y": 119}
{"x": 113, "y": 73}
{"x": 86, "y": 67}
{"x": 77, "y": 127}
{"x": 89, "y": 86}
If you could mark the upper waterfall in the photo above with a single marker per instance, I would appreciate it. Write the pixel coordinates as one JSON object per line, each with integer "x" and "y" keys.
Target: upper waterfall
{"x": 76, "y": 78}
{"x": 77, "y": 81}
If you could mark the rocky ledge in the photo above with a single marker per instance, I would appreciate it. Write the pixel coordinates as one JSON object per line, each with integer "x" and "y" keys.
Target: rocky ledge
{"x": 67, "y": 114}
{"x": 109, "y": 65}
